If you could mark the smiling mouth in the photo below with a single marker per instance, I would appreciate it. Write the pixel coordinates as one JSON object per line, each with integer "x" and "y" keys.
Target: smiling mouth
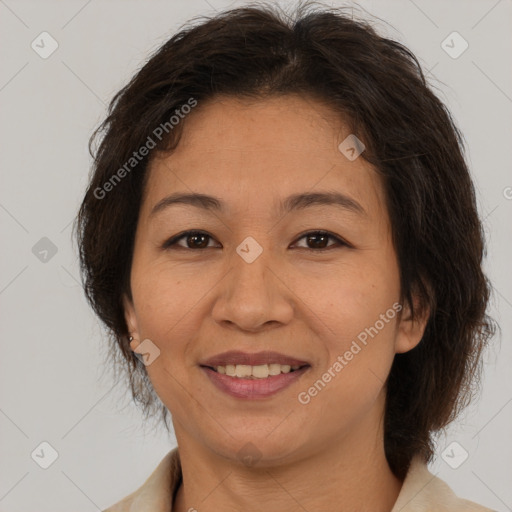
{"x": 262, "y": 371}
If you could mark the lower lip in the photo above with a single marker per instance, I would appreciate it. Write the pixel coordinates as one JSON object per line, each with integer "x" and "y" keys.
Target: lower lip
{"x": 253, "y": 388}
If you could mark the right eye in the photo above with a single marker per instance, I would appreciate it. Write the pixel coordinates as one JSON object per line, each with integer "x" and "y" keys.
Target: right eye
{"x": 193, "y": 240}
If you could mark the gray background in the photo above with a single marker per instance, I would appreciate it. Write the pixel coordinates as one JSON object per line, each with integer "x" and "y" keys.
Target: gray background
{"x": 53, "y": 386}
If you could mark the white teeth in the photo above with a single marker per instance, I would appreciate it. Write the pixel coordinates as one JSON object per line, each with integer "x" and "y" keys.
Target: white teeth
{"x": 274, "y": 369}
{"x": 243, "y": 370}
{"x": 261, "y": 371}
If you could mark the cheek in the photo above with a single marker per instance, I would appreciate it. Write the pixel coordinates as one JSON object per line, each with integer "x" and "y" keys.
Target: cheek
{"x": 351, "y": 296}
{"x": 355, "y": 315}
{"x": 162, "y": 294}
{"x": 356, "y": 321}
{"x": 163, "y": 302}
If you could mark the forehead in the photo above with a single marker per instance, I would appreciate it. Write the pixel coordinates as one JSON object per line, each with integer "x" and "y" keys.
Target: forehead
{"x": 255, "y": 152}
{"x": 274, "y": 122}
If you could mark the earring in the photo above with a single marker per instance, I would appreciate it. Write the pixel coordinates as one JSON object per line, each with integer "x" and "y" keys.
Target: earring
{"x": 130, "y": 338}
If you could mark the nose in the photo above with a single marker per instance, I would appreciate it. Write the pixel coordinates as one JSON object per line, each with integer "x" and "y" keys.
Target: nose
{"x": 254, "y": 296}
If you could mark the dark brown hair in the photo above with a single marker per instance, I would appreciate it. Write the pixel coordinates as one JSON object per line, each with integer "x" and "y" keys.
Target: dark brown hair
{"x": 377, "y": 87}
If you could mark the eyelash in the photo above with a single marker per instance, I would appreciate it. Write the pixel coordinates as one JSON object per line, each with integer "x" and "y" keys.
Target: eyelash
{"x": 173, "y": 240}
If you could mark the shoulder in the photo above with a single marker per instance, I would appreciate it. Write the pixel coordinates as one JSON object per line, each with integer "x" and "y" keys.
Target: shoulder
{"x": 423, "y": 492}
{"x": 153, "y": 495}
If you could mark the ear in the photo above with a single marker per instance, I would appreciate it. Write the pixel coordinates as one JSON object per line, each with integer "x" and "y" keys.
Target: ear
{"x": 131, "y": 321}
{"x": 410, "y": 331}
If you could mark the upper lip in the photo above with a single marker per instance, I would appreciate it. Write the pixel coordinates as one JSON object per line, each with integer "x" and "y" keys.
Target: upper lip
{"x": 258, "y": 358}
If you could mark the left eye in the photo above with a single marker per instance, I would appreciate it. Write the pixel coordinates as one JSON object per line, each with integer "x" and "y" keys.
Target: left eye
{"x": 319, "y": 238}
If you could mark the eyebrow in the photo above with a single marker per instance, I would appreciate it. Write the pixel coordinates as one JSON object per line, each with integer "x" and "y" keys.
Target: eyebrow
{"x": 291, "y": 203}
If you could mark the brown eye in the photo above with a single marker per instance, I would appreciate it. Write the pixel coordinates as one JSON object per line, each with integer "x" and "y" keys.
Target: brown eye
{"x": 197, "y": 240}
{"x": 318, "y": 240}
{"x": 193, "y": 240}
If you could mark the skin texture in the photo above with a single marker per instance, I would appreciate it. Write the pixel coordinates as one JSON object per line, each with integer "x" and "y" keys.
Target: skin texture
{"x": 294, "y": 298}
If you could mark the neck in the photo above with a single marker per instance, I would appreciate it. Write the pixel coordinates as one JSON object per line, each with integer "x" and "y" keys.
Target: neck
{"x": 350, "y": 470}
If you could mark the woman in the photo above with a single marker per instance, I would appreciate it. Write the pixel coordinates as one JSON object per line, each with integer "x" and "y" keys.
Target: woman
{"x": 280, "y": 234}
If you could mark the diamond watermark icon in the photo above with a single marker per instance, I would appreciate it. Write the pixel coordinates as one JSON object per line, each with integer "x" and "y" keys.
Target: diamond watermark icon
{"x": 249, "y": 249}
{"x": 44, "y": 250}
{"x": 249, "y": 454}
{"x": 454, "y": 455}
{"x": 351, "y": 147}
{"x": 454, "y": 45}
{"x": 44, "y": 45}
{"x": 44, "y": 455}
{"x": 147, "y": 352}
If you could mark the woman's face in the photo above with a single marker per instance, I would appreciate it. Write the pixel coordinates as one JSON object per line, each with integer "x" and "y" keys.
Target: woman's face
{"x": 257, "y": 278}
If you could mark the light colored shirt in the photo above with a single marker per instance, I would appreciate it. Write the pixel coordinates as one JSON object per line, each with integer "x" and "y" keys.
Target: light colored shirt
{"x": 421, "y": 491}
